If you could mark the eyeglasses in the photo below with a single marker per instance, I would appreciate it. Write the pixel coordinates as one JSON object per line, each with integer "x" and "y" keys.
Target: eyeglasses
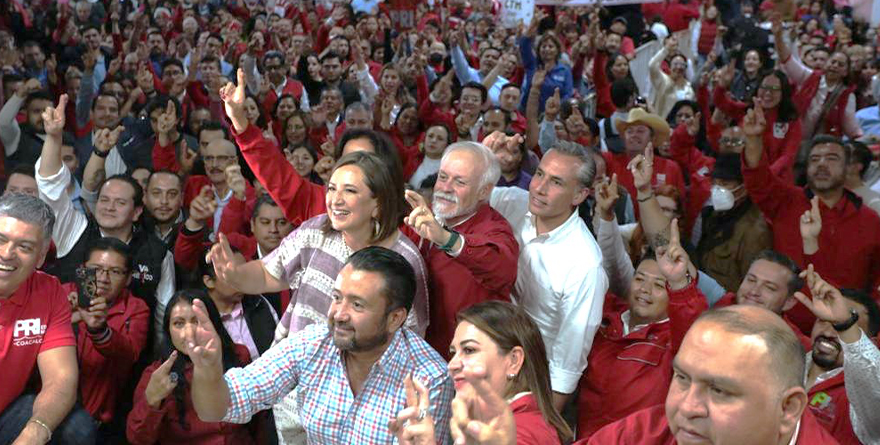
{"x": 732, "y": 141}
{"x": 113, "y": 272}
{"x": 219, "y": 159}
{"x": 770, "y": 88}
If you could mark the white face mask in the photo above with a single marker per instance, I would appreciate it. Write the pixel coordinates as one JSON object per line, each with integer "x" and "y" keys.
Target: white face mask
{"x": 722, "y": 198}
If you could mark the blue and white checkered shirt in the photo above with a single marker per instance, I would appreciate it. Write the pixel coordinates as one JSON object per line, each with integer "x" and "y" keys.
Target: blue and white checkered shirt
{"x": 330, "y": 412}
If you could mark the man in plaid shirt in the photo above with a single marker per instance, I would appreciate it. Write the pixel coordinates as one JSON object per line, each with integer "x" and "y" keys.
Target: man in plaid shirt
{"x": 349, "y": 373}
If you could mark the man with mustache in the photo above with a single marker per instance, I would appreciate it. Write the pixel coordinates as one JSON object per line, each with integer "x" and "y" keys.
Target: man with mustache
{"x": 843, "y": 389}
{"x": 470, "y": 250}
{"x": 163, "y": 199}
{"x": 847, "y": 251}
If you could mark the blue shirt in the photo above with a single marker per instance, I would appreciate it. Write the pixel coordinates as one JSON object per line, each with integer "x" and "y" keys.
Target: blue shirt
{"x": 559, "y": 76}
{"x": 331, "y": 414}
{"x": 869, "y": 120}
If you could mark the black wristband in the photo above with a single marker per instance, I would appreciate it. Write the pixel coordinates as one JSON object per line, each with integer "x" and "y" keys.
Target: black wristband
{"x": 844, "y": 325}
{"x": 100, "y": 153}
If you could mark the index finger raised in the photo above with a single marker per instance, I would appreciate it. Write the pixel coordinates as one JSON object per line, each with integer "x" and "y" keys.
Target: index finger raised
{"x": 414, "y": 199}
{"x": 674, "y": 236}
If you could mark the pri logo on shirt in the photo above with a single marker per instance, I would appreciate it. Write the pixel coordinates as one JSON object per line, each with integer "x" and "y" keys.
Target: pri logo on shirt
{"x": 28, "y": 332}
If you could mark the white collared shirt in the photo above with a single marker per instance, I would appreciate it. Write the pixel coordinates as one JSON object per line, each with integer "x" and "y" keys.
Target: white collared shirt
{"x": 560, "y": 283}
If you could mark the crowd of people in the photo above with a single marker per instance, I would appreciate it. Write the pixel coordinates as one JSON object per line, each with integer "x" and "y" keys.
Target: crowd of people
{"x": 416, "y": 222}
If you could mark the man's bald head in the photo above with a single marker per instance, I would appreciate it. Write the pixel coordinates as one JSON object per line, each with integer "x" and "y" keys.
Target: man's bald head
{"x": 785, "y": 354}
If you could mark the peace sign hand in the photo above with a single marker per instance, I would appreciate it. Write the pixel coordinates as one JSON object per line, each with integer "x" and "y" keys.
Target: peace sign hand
{"x": 54, "y": 118}
{"x": 607, "y": 195}
{"x": 226, "y": 265}
{"x": 414, "y": 424}
{"x": 105, "y": 139}
{"x": 204, "y": 349}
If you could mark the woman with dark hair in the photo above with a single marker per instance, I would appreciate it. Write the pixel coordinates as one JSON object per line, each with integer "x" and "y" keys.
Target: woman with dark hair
{"x": 782, "y": 136}
{"x": 682, "y": 113}
{"x": 283, "y": 109}
{"x": 406, "y": 133}
{"x": 500, "y": 338}
{"x": 608, "y": 68}
{"x": 548, "y": 54}
{"x": 824, "y": 98}
{"x": 745, "y": 83}
{"x": 294, "y": 130}
{"x": 163, "y": 411}
{"x": 255, "y": 112}
{"x": 673, "y": 87}
{"x": 303, "y": 159}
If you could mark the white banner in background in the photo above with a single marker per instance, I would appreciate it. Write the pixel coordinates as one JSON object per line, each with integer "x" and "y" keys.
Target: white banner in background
{"x": 515, "y": 11}
{"x": 591, "y": 2}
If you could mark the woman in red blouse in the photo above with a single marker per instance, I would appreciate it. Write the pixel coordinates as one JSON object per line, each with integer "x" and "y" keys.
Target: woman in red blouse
{"x": 501, "y": 339}
{"x": 163, "y": 412}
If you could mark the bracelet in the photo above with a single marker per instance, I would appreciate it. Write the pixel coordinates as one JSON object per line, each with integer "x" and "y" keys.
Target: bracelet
{"x": 646, "y": 198}
{"x": 101, "y": 154}
{"x": 45, "y": 427}
{"x": 844, "y": 325}
{"x": 453, "y": 238}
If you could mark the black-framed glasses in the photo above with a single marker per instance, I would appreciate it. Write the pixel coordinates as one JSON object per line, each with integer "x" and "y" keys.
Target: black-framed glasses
{"x": 112, "y": 272}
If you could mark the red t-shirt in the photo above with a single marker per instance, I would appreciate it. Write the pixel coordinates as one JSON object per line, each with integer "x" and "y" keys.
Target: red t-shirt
{"x": 36, "y": 318}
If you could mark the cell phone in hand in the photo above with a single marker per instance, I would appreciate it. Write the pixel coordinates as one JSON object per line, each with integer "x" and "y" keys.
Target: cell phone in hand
{"x": 86, "y": 286}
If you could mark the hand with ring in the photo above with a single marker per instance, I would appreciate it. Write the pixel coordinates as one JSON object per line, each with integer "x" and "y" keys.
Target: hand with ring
{"x": 414, "y": 425}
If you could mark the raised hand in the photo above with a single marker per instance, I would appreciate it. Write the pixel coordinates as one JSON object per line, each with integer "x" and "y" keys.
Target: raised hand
{"x": 496, "y": 137}
{"x": 575, "y": 123}
{"x": 754, "y": 124}
{"x": 162, "y": 382}
{"x": 538, "y": 78}
{"x": 236, "y": 181}
{"x": 414, "y": 424}
{"x": 201, "y": 208}
{"x": 30, "y": 86}
{"x": 422, "y": 220}
{"x": 318, "y": 114}
{"x": 105, "y": 138}
{"x": 187, "y": 159}
{"x": 54, "y": 118}
{"x": 233, "y": 97}
{"x": 811, "y": 226}
{"x": 552, "y": 106}
{"x": 205, "y": 349}
{"x": 324, "y": 168}
{"x": 673, "y": 261}
{"x": 167, "y": 120}
{"x": 226, "y": 265}
{"x": 828, "y": 303}
{"x": 481, "y": 416}
{"x": 607, "y": 195}
{"x": 642, "y": 169}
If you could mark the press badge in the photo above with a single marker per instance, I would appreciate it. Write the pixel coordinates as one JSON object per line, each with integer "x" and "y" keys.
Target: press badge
{"x": 780, "y": 129}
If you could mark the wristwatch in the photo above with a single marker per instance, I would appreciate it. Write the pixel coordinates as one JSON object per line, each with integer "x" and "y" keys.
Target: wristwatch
{"x": 100, "y": 154}
{"x": 844, "y": 325}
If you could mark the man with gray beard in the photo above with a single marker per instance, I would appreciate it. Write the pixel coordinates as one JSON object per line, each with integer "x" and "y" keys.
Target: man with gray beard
{"x": 469, "y": 248}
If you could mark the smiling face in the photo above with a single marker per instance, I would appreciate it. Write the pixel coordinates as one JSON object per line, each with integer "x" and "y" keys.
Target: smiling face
{"x": 770, "y": 91}
{"x": 555, "y": 189}
{"x": 721, "y": 392}
{"x": 358, "y": 317}
{"x": 116, "y": 208}
{"x": 458, "y": 190}
{"x": 350, "y": 203}
{"x": 620, "y": 68}
{"x": 390, "y": 80}
{"x": 752, "y": 62}
{"x": 408, "y": 121}
{"x": 549, "y": 51}
{"x": 21, "y": 251}
{"x": 295, "y": 131}
{"x": 301, "y": 160}
{"x": 472, "y": 348}
{"x": 766, "y": 285}
{"x": 648, "y": 300}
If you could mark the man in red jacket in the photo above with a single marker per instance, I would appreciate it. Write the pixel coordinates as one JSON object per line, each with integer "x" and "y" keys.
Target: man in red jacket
{"x": 111, "y": 332}
{"x": 469, "y": 247}
{"x": 849, "y": 243}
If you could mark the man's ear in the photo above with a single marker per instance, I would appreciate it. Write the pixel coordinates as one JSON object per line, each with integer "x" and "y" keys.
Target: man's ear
{"x": 793, "y": 403}
{"x": 137, "y": 213}
{"x": 209, "y": 282}
{"x": 43, "y": 252}
{"x": 580, "y": 196}
{"x": 789, "y": 303}
{"x": 396, "y": 319}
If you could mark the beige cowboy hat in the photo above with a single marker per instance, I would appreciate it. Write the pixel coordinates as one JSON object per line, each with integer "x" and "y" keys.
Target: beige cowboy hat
{"x": 638, "y": 116}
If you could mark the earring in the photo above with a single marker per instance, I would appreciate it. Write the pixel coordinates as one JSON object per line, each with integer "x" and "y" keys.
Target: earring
{"x": 511, "y": 376}
{"x": 376, "y": 228}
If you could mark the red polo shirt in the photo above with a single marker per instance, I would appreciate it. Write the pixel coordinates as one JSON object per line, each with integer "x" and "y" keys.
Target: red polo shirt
{"x": 830, "y": 404}
{"x": 36, "y": 318}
